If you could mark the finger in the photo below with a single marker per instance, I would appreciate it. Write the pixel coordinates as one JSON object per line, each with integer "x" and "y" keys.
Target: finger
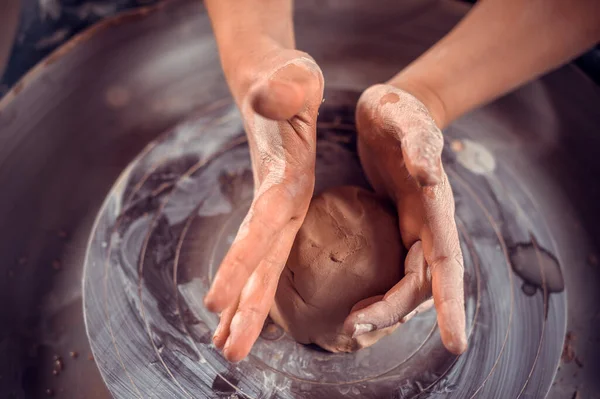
{"x": 254, "y": 240}
{"x": 443, "y": 254}
{"x": 366, "y": 302}
{"x": 284, "y": 94}
{"x": 256, "y": 300}
{"x": 448, "y": 296}
{"x": 400, "y": 300}
{"x": 222, "y": 332}
{"x": 422, "y": 146}
{"x": 278, "y": 100}
{"x": 419, "y": 309}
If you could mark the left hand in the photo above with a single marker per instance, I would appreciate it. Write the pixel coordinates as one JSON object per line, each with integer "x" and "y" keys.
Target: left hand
{"x": 400, "y": 150}
{"x": 279, "y": 91}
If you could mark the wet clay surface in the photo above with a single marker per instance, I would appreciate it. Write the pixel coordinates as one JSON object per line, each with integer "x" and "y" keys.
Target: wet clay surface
{"x": 516, "y": 166}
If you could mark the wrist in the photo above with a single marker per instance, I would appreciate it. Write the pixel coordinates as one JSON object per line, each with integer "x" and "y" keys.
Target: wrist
{"x": 247, "y": 32}
{"x": 426, "y": 94}
{"x": 242, "y": 63}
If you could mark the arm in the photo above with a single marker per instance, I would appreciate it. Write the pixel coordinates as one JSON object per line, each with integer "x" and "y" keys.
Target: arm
{"x": 245, "y": 31}
{"x": 498, "y": 46}
{"x": 278, "y": 90}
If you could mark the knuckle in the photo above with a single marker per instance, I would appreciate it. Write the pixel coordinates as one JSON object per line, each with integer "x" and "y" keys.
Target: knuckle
{"x": 450, "y": 267}
{"x": 421, "y": 286}
{"x": 450, "y": 302}
{"x": 421, "y": 280}
{"x": 238, "y": 262}
{"x": 392, "y": 313}
{"x": 454, "y": 260}
{"x": 269, "y": 223}
{"x": 250, "y": 312}
{"x": 271, "y": 263}
{"x": 272, "y": 209}
{"x": 459, "y": 261}
{"x": 298, "y": 186}
{"x": 436, "y": 263}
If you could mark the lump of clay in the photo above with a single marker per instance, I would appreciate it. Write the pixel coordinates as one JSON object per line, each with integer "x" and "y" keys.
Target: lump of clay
{"x": 347, "y": 250}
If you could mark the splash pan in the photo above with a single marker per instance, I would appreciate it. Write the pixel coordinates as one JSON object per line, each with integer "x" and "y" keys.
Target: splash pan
{"x": 172, "y": 214}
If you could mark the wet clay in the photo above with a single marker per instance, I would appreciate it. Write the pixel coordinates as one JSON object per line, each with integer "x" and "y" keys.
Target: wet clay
{"x": 347, "y": 250}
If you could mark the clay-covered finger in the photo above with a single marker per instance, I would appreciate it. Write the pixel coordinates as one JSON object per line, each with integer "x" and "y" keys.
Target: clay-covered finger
{"x": 428, "y": 304}
{"x": 399, "y": 301}
{"x": 421, "y": 139}
{"x": 366, "y": 302}
{"x": 441, "y": 246}
{"x": 267, "y": 217}
{"x": 422, "y": 150}
{"x": 256, "y": 299}
{"x": 448, "y": 296}
{"x": 222, "y": 331}
{"x": 383, "y": 111}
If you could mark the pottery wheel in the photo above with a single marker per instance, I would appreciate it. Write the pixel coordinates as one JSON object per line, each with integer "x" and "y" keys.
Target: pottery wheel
{"x": 169, "y": 219}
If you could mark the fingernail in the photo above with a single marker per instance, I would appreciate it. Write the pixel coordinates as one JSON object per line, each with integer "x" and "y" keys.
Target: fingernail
{"x": 211, "y": 304}
{"x": 217, "y": 338}
{"x": 216, "y": 333}
{"x": 227, "y": 343}
{"x": 408, "y": 316}
{"x": 233, "y": 327}
{"x": 457, "y": 345}
{"x": 208, "y": 302}
{"x": 362, "y": 328}
{"x": 226, "y": 353}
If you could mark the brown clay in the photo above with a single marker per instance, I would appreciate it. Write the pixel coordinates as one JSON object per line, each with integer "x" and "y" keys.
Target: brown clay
{"x": 347, "y": 250}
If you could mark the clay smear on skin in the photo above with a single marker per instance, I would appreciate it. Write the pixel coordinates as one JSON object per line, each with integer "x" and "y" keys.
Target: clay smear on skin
{"x": 397, "y": 107}
{"x": 265, "y": 134}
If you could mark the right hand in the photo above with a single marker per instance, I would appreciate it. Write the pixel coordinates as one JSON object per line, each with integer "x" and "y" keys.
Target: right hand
{"x": 279, "y": 92}
{"x": 400, "y": 149}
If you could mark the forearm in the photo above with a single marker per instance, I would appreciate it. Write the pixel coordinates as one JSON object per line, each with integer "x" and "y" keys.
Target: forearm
{"x": 497, "y": 47}
{"x": 246, "y": 29}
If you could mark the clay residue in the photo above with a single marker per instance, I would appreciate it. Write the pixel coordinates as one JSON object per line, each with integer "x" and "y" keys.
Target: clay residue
{"x": 390, "y": 98}
{"x": 536, "y": 266}
{"x": 568, "y": 354}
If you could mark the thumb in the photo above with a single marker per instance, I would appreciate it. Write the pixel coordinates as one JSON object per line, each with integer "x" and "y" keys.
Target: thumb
{"x": 403, "y": 298}
{"x": 285, "y": 93}
{"x": 422, "y": 152}
{"x": 392, "y": 111}
{"x": 278, "y": 100}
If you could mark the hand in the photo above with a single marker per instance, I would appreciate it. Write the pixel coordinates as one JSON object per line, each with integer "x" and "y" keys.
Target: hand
{"x": 279, "y": 92}
{"x": 400, "y": 149}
